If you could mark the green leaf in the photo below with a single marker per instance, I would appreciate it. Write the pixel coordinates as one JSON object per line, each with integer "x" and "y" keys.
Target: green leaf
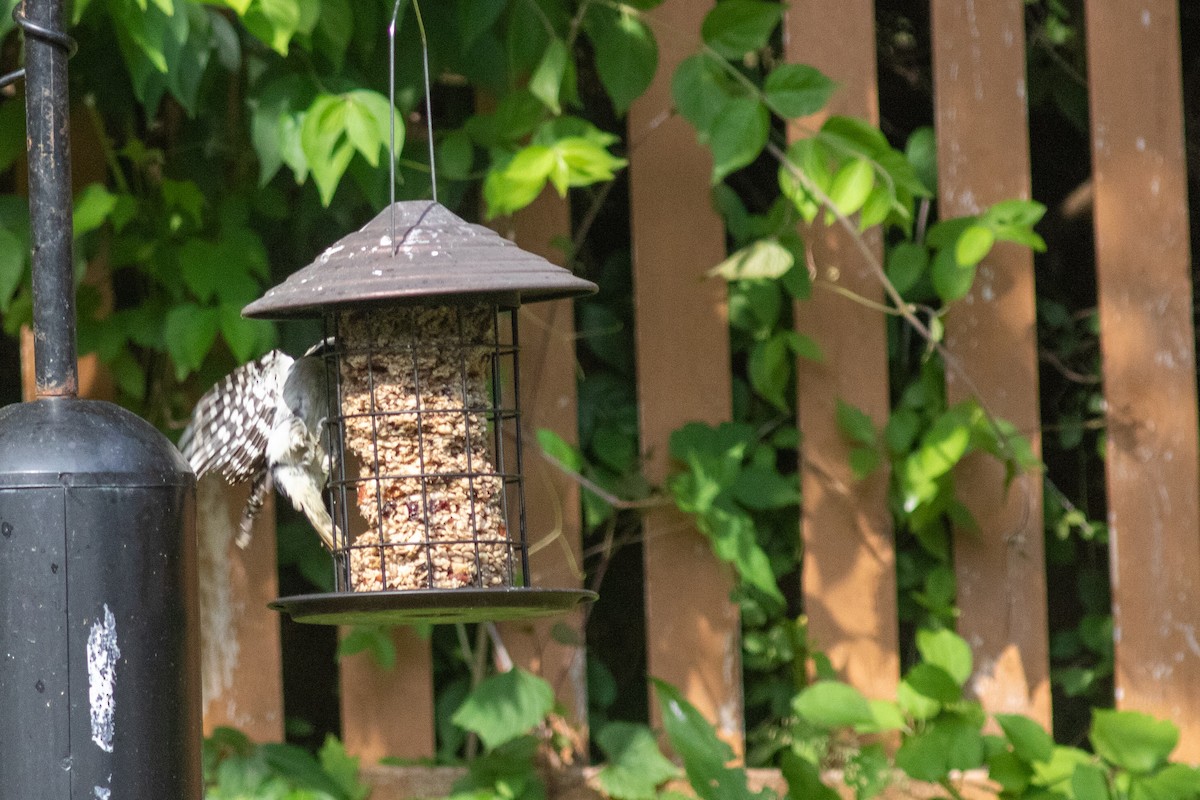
{"x": 974, "y": 243}
{"x": 505, "y": 706}
{"x": 803, "y": 346}
{"x": 375, "y": 640}
{"x": 738, "y": 134}
{"x": 520, "y": 182}
{"x": 301, "y": 768}
{"x": 13, "y": 258}
{"x": 247, "y": 338}
{"x": 626, "y": 54}
{"x": 1132, "y": 740}
{"x": 1056, "y": 773}
{"x": 946, "y": 649}
{"x": 1029, "y": 739}
{"x": 701, "y": 91}
{"x": 762, "y": 488}
{"x": 634, "y": 767}
{"x": 797, "y": 90}
{"x": 886, "y": 716}
{"x": 455, "y": 156}
{"x": 190, "y": 332}
{"x": 855, "y": 425}
{"x": 547, "y": 80}
{"x": 325, "y": 145}
{"x": 1090, "y": 781}
{"x": 763, "y": 258}
{"x": 951, "y": 281}
{"x": 952, "y": 743}
{"x": 334, "y": 30}
{"x": 476, "y": 17}
{"x": 704, "y": 755}
{"x": 804, "y": 779}
{"x": 735, "y": 27}
{"x": 906, "y": 264}
{"x": 557, "y": 448}
{"x": 732, "y": 534}
{"x": 221, "y": 270}
{"x": 12, "y": 132}
{"x": 770, "y": 370}
{"x": 1172, "y": 782}
{"x": 1010, "y": 772}
{"x": 933, "y": 682}
{"x": 342, "y": 768}
{"x": 851, "y": 186}
{"x": 582, "y": 161}
{"x": 1024, "y": 213}
{"x": 273, "y": 22}
{"x": 921, "y": 152}
{"x": 369, "y": 118}
{"x": 831, "y": 704}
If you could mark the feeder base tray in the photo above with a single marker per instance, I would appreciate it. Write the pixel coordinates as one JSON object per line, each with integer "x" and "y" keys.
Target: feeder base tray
{"x": 430, "y": 605}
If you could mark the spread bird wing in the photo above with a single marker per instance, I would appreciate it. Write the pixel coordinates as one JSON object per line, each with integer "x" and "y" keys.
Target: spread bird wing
{"x": 232, "y": 422}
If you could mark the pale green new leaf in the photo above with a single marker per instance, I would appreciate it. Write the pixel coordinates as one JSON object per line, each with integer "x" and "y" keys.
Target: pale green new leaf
{"x": 274, "y": 22}
{"x": 91, "y": 209}
{"x": 764, "y": 258}
{"x": 945, "y": 649}
{"x": 831, "y": 704}
{"x": 851, "y": 186}
{"x": 546, "y": 82}
{"x": 974, "y": 243}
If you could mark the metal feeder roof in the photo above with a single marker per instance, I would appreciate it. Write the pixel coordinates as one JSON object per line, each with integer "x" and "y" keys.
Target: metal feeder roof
{"x": 434, "y": 255}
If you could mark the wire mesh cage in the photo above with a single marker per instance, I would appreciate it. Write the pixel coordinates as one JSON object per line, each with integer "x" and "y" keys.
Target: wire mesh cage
{"x": 423, "y": 435}
{"x": 428, "y": 487}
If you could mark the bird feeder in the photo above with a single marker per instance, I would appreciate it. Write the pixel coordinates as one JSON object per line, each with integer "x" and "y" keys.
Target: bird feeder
{"x": 423, "y": 438}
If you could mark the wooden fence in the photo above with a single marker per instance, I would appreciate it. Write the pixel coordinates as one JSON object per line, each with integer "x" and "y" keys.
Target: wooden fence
{"x": 849, "y": 582}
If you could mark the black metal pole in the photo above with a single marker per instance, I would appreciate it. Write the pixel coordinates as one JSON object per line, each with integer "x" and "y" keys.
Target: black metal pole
{"x": 49, "y": 142}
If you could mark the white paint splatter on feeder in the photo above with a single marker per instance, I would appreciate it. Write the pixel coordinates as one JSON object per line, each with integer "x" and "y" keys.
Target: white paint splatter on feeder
{"x": 102, "y": 655}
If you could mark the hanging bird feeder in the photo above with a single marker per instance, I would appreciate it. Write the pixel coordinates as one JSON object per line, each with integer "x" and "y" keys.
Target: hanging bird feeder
{"x": 423, "y": 437}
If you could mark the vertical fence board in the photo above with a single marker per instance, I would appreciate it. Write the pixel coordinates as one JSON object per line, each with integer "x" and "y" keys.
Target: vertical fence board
{"x": 241, "y": 662}
{"x": 682, "y": 352}
{"x": 1148, "y": 352}
{"x": 548, "y": 400}
{"x": 983, "y": 157}
{"x": 849, "y": 578}
{"x": 389, "y": 712}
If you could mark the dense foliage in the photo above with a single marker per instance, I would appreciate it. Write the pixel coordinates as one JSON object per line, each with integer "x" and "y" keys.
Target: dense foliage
{"x": 226, "y": 142}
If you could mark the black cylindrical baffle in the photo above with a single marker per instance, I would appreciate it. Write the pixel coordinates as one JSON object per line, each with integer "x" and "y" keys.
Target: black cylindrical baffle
{"x": 99, "y": 667}
{"x": 99, "y": 661}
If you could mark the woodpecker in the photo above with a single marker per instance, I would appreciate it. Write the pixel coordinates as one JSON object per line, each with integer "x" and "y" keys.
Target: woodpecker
{"x": 265, "y": 422}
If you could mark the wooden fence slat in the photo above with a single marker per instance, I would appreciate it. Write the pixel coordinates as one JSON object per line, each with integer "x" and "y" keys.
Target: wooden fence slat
{"x": 1148, "y": 356}
{"x": 389, "y": 712}
{"x": 682, "y": 353}
{"x": 849, "y": 577}
{"x": 983, "y": 157}
{"x": 240, "y": 658}
{"x": 552, "y": 513}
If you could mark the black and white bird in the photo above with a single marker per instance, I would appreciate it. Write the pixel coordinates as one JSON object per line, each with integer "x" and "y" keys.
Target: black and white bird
{"x": 265, "y": 422}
